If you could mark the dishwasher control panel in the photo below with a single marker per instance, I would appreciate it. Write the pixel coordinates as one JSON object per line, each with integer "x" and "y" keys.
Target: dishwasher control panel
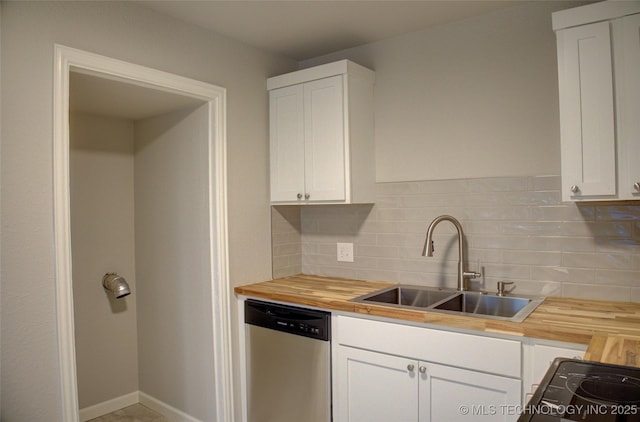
{"x": 289, "y": 319}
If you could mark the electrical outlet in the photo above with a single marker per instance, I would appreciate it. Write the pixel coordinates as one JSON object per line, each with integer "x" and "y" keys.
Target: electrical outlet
{"x": 345, "y": 252}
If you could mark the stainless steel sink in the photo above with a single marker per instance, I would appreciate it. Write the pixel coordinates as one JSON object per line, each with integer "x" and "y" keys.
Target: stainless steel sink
{"x": 490, "y": 306}
{"x": 407, "y": 296}
{"x": 486, "y": 305}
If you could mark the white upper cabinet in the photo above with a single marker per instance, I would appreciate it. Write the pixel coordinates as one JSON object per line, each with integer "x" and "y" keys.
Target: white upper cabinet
{"x": 321, "y": 135}
{"x": 287, "y": 152}
{"x": 585, "y": 78}
{"x": 598, "y": 77}
{"x": 628, "y": 71}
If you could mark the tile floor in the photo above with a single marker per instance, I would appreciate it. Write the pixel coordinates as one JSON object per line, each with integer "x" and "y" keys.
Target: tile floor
{"x": 133, "y": 413}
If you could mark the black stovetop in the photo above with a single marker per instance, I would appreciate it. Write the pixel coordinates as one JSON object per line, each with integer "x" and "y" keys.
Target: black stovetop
{"x": 575, "y": 390}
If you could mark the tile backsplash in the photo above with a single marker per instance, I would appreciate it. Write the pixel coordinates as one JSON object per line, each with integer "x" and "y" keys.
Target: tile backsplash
{"x": 516, "y": 229}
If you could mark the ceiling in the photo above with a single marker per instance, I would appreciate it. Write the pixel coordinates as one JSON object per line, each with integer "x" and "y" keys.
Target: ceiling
{"x": 298, "y": 29}
{"x": 110, "y": 97}
{"x": 303, "y": 29}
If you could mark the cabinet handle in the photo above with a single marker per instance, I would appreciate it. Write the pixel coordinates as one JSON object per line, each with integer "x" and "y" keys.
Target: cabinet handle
{"x": 306, "y": 196}
{"x": 410, "y": 367}
{"x": 299, "y": 196}
{"x": 423, "y": 369}
{"x": 636, "y": 186}
{"x": 574, "y": 188}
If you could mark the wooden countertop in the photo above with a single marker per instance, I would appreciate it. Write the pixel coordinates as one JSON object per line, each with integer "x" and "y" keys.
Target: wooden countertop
{"x": 610, "y": 329}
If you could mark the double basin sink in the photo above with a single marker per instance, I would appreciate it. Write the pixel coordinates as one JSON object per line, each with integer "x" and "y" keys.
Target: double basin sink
{"x": 468, "y": 303}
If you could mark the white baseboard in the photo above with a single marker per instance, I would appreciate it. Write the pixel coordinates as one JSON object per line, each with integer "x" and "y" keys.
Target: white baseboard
{"x": 164, "y": 409}
{"x": 109, "y": 406}
{"x": 118, "y": 403}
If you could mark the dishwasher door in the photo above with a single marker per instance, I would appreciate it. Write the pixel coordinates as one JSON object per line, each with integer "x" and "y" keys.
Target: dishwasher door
{"x": 288, "y": 363}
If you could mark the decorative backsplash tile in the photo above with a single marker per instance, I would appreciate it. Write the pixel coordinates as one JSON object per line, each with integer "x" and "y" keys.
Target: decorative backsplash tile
{"x": 286, "y": 242}
{"x": 516, "y": 229}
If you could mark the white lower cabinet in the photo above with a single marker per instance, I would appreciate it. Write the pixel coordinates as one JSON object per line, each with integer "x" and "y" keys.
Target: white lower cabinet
{"x": 375, "y": 387}
{"x": 536, "y": 361}
{"x": 397, "y": 372}
{"x": 392, "y": 372}
{"x": 454, "y": 394}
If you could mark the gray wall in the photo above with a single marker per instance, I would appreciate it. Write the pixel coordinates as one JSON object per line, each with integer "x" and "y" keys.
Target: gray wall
{"x": 0, "y": 206}
{"x": 473, "y": 98}
{"x": 173, "y": 273}
{"x": 159, "y": 339}
{"x": 102, "y": 241}
{"x": 123, "y": 30}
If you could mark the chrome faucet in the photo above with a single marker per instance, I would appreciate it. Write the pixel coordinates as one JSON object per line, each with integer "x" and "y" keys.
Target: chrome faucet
{"x": 428, "y": 249}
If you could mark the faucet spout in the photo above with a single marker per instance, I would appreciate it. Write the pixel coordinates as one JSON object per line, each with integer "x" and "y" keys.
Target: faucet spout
{"x": 428, "y": 248}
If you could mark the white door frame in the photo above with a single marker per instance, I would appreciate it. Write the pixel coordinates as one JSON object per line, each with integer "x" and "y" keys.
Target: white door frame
{"x": 65, "y": 59}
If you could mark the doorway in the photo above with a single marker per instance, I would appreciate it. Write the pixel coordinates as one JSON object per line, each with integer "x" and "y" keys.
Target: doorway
{"x": 151, "y": 205}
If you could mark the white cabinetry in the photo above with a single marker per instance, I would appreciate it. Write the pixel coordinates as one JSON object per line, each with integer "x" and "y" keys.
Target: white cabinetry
{"x": 537, "y": 358}
{"x": 599, "y": 88}
{"x": 453, "y": 394}
{"x": 375, "y": 387}
{"x": 628, "y": 74}
{"x": 385, "y": 371}
{"x": 321, "y": 135}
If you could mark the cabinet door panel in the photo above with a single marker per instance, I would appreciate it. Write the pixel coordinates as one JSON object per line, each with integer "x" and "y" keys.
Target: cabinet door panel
{"x": 286, "y": 143}
{"x": 628, "y": 91}
{"x": 453, "y": 394}
{"x": 586, "y": 111}
{"x": 375, "y": 387}
{"x": 537, "y": 360}
{"x": 324, "y": 139}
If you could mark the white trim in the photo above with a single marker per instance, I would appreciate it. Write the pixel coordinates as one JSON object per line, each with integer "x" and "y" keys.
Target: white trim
{"x": 595, "y": 12}
{"x": 242, "y": 337}
{"x": 342, "y": 67}
{"x": 62, "y": 235}
{"x": 170, "y": 412}
{"x": 100, "y": 409}
{"x": 66, "y": 59}
{"x": 220, "y": 289}
{"x": 109, "y": 406}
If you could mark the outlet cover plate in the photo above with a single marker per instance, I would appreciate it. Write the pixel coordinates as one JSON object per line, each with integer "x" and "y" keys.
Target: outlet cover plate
{"x": 345, "y": 252}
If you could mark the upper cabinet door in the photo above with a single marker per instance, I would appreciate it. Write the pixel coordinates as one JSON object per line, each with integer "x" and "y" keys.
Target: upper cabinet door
{"x": 587, "y": 118}
{"x": 324, "y": 139}
{"x": 628, "y": 92}
{"x": 286, "y": 126}
{"x": 321, "y": 135}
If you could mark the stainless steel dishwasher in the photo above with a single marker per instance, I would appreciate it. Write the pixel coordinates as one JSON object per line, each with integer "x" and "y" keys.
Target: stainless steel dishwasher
{"x": 288, "y": 363}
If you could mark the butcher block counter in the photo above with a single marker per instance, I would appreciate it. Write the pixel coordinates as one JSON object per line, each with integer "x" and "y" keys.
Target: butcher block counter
{"x": 610, "y": 329}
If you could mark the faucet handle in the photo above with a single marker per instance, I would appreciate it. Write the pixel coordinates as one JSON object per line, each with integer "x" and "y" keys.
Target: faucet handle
{"x": 501, "y": 284}
{"x": 471, "y": 274}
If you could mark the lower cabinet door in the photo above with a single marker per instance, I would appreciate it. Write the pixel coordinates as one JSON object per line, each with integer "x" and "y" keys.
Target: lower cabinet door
{"x": 537, "y": 360}
{"x": 375, "y": 387}
{"x": 453, "y": 394}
